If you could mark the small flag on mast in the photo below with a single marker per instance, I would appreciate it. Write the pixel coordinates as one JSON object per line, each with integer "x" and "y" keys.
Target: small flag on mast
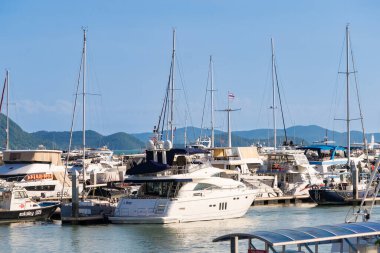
{"x": 231, "y": 95}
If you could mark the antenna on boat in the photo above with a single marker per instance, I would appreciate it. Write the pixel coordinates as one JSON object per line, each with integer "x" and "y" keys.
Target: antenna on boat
{"x": 229, "y": 110}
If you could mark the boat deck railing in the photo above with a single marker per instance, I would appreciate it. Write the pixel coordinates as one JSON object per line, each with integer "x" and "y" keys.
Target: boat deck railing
{"x": 178, "y": 170}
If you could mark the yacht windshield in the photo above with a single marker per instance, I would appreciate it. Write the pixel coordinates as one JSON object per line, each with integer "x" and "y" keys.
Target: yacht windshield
{"x": 20, "y": 195}
{"x": 162, "y": 189}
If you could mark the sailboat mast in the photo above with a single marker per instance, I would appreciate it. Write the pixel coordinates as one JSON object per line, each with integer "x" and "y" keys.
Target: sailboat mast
{"x": 273, "y": 97}
{"x": 7, "y": 85}
{"x": 172, "y": 92}
{"x": 185, "y": 133}
{"x": 348, "y": 96}
{"x": 212, "y": 102}
{"x": 84, "y": 106}
{"x": 229, "y": 121}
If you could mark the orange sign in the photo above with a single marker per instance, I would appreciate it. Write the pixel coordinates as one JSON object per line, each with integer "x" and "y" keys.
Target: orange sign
{"x": 38, "y": 176}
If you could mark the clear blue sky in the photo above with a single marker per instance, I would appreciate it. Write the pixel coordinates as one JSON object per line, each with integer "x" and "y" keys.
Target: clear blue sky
{"x": 129, "y": 45}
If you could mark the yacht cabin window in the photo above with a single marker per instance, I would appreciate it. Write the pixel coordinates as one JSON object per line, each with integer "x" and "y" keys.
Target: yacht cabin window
{"x": 20, "y": 195}
{"x": 160, "y": 189}
{"x": 205, "y": 186}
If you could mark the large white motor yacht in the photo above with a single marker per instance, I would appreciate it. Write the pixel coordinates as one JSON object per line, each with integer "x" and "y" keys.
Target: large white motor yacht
{"x": 180, "y": 185}
{"x": 246, "y": 161}
{"x": 40, "y": 172}
{"x": 293, "y": 171}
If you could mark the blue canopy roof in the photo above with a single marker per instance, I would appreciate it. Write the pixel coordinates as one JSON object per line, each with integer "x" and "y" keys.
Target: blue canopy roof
{"x": 322, "y": 233}
{"x": 323, "y": 147}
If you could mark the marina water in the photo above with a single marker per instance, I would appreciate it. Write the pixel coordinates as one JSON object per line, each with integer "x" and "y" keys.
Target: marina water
{"x": 181, "y": 237}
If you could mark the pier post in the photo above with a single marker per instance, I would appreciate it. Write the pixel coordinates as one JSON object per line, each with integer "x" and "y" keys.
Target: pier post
{"x": 355, "y": 174}
{"x": 235, "y": 244}
{"x": 75, "y": 195}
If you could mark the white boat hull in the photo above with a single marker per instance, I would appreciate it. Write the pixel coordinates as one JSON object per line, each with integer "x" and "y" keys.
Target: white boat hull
{"x": 200, "y": 208}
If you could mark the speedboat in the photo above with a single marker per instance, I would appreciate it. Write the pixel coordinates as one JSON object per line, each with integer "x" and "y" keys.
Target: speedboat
{"x": 180, "y": 185}
{"x": 15, "y": 205}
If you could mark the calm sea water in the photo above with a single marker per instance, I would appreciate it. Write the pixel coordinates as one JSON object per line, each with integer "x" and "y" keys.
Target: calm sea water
{"x": 183, "y": 237}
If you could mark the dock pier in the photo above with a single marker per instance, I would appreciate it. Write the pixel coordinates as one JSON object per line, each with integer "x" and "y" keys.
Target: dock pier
{"x": 283, "y": 200}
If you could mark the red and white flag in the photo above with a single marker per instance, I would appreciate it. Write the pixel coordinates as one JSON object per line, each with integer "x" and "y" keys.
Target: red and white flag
{"x": 231, "y": 95}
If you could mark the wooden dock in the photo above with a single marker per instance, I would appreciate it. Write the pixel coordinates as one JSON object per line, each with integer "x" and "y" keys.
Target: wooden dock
{"x": 284, "y": 200}
{"x": 294, "y": 200}
{"x": 367, "y": 201}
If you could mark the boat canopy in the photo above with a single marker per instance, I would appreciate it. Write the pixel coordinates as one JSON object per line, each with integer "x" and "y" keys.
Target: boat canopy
{"x": 170, "y": 154}
{"x": 33, "y": 156}
{"x": 147, "y": 167}
{"x": 144, "y": 180}
{"x": 323, "y": 147}
{"x": 309, "y": 235}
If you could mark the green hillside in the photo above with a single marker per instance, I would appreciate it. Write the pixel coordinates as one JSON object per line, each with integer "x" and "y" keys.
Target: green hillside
{"x": 19, "y": 139}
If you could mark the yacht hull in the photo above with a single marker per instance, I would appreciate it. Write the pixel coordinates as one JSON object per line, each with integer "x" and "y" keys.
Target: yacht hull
{"x": 332, "y": 196}
{"x": 42, "y": 213}
{"x": 164, "y": 211}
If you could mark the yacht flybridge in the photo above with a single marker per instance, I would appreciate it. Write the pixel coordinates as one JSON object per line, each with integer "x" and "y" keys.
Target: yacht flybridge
{"x": 40, "y": 172}
{"x": 180, "y": 185}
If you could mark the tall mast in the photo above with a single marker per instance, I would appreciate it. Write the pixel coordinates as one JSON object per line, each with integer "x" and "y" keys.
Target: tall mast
{"x": 84, "y": 107}
{"x": 7, "y": 85}
{"x": 348, "y": 96}
{"x": 212, "y": 102}
{"x": 273, "y": 97}
{"x": 229, "y": 122}
{"x": 172, "y": 92}
{"x": 185, "y": 133}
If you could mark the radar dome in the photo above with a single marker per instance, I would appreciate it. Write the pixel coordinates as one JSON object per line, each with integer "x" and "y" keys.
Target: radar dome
{"x": 168, "y": 145}
{"x": 150, "y": 145}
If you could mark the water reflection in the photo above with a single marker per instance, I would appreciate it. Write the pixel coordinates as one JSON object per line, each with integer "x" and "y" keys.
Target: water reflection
{"x": 188, "y": 237}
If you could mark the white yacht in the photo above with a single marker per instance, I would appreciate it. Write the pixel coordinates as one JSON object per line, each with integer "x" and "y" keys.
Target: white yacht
{"x": 180, "y": 185}
{"x": 327, "y": 158}
{"x": 40, "y": 172}
{"x": 246, "y": 161}
{"x": 293, "y": 171}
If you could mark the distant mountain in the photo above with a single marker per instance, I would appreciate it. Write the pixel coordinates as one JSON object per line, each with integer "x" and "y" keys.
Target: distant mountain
{"x": 239, "y": 138}
{"x": 19, "y": 139}
{"x": 298, "y": 134}
{"x": 309, "y": 134}
{"x": 117, "y": 141}
{"x": 192, "y": 134}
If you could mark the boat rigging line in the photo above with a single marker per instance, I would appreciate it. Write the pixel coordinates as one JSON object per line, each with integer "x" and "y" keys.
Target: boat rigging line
{"x": 278, "y": 92}
{"x": 72, "y": 124}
